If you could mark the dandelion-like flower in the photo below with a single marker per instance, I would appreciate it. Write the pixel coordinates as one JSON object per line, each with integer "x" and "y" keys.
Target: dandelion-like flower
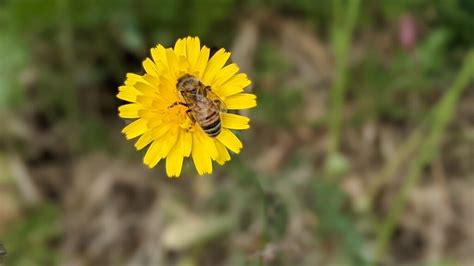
{"x": 170, "y": 122}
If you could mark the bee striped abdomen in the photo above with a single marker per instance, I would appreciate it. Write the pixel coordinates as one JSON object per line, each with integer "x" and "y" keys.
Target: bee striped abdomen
{"x": 211, "y": 124}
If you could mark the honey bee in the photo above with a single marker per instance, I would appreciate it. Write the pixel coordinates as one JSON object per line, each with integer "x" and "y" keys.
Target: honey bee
{"x": 204, "y": 106}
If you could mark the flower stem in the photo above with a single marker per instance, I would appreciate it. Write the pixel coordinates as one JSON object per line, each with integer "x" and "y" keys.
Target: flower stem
{"x": 441, "y": 116}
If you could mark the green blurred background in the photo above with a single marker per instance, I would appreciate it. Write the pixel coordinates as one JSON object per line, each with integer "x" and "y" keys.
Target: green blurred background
{"x": 360, "y": 152}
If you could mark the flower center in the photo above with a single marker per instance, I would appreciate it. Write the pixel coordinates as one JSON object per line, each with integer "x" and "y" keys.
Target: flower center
{"x": 178, "y": 114}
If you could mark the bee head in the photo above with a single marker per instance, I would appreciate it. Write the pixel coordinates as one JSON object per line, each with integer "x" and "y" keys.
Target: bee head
{"x": 187, "y": 84}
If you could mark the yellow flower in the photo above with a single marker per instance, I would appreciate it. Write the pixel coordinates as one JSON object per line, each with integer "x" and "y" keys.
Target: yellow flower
{"x": 165, "y": 125}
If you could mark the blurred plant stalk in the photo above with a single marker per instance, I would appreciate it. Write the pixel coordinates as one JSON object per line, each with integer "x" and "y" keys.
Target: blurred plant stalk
{"x": 344, "y": 20}
{"x": 65, "y": 40}
{"x": 441, "y": 115}
{"x": 407, "y": 149}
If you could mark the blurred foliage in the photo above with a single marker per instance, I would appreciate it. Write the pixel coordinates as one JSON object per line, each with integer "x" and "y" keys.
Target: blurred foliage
{"x": 31, "y": 241}
{"x": 457, "y": 15}
{"x": 14, "y": 59}
{"x": 335, "y": 224}
{"x": 276, "y": 109}
{"x": 392, "y": 85}
{"x": 276, "y": 217}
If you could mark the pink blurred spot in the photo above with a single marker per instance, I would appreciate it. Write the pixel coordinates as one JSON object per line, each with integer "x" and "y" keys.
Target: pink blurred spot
{"x": 408, "y": 31}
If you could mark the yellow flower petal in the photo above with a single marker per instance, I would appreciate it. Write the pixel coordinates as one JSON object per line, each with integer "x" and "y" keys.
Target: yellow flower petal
{"x": 173, "y": 64}
{"x": 145, "y": 89}
{"x": 225, "y": 74}
{"x": 233, "y": 86}
{"x": 201, "y": 62}
{"x": 186, "y": 140}
{"x": 216, "y": 62}
{"x": 152, "y": 156}
{"x": 152, "y": 80}
{"x": 132, "y": 79}
{"x": 193, "y": 48}
{"x": 161, "y": 130}
{"x": 159, "y": 149}
{"x": 180, "y": 47}
{"x": 129, "y": 110}
{"x": 145, "y": 101}
{"x": 224, "y": 155}
{"x": 135, "y": 129}
{"x": 208, "y": 143}
{"x": 234, "y": 121}
{"x": 128, "y": 93}
{"x": 159, "y": 56}
{"x": 150, "y": 67}
{"x": 150, "y": 114}
{"x": 168, "y": 90}
{"x": 241, "y": 101}
{"x": 155, "y": 122}
{"x": 174, "y": 161}
{"x": 127, "y": 96}
{"x": 170, "y": 140}
{"x": 143, "y": 141}
{"x": 228, "y": 138}
{"x": 202, "y": 160}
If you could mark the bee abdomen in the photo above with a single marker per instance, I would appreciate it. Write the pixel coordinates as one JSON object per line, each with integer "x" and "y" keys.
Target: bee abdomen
{"x": 213, "y": 128}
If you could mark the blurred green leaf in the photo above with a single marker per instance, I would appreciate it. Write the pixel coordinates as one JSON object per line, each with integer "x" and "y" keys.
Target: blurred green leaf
{"x": 29, "y": 241}
{"x": 270, "y": 63}
{"x": 208, "y": 12}
{"x": 14, "y": 57}
{"x": 458, "y": 15}
{"x": 335, "y": 224}
{"x": 280, "y": 107}
{"x": 28, "y": 16}
{"x": 94, "y": 135}
{"x": 276, "y": 216}
{"x": 431, "y": 52}
{"x": 336, "y": 165}
{"x": 393, "y": 88}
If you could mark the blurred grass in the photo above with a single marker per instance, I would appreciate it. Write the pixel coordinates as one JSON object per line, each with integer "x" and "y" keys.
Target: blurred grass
{"x": 441, "y": 115}
{"x": 344, "y": 22}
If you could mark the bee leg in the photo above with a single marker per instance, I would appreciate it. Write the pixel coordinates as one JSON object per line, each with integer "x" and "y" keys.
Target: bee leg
{"x": 177, "y": 103}
{"x": 188, "y": 112}
{"x": 207, "y": 89}
{"x": 220, "y": 105}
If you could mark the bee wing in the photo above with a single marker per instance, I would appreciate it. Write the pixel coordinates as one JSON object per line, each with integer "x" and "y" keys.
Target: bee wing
{"x": 213, "y": 97}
